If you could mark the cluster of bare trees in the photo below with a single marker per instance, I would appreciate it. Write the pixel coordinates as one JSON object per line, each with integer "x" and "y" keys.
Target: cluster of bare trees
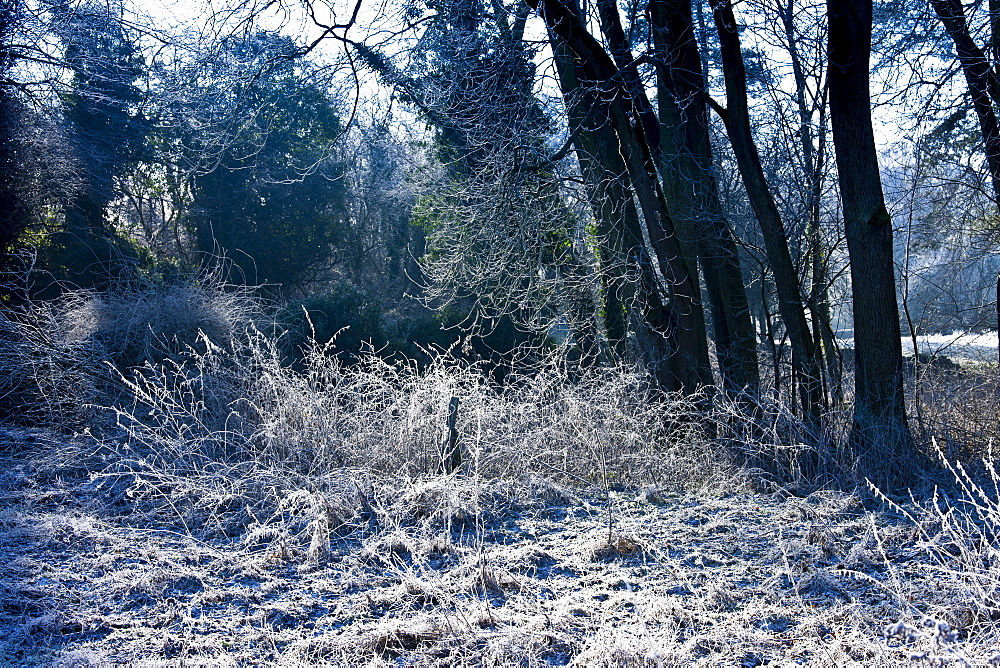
{"x": 132, "y": 147}
{"x": 662, "y": 244}
{"x": 660, "y": 111}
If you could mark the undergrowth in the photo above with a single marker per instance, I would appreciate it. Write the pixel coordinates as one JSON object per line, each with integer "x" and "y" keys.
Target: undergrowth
{"x": 184, "y": 389}
{"x": 196, "y": 424}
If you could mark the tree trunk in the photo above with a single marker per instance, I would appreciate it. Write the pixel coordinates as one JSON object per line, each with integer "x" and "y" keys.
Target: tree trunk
{"x": 813, "y": 167}
{"x": 686, "y": 366}
{"x": 687, "y": 167}
{"x": 880, "y": 431}
{"x": 984, "y": 87}
{"x": 786, "y": 280}
{"x": 640, "y": 145}
{"x": 634, "y": 302}
{"x": 605, "y": 179}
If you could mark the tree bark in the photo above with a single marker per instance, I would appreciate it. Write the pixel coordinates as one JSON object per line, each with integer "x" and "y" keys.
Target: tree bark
{"x": 880, "y": 431}
{"x": 790, "y": 304}
{"x": 687, "y": 167}
{"x": 634, "y": 303}
{"x": 605, "y": 179}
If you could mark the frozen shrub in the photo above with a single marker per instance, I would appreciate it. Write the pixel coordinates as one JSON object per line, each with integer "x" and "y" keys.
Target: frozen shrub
{"x": 960, "y": 409}
{"x": 155, "y": 322}
{"x": 241, "y": 408}
{"x": 44, "y": 380}
{"x": 59, "y": 356}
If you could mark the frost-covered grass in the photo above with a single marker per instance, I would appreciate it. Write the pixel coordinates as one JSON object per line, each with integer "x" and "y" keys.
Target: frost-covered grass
{"x": 216, "y": 507}
{"x": 462, "y": 571}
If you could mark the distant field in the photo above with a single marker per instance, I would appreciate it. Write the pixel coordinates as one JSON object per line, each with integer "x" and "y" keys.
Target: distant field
{"x": 972, "y": 346}
{"x": 981, "y": 347}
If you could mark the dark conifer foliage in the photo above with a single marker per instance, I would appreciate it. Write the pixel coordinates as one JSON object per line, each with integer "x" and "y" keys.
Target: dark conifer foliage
{"x": 104, "y": 106}
{"x": 272, "y": 200}
{"x": 15, "y": 209}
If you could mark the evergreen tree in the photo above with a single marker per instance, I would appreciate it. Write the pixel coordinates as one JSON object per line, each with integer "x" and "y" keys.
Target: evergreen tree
{"x": 272, "y": 200}
{"x": 103, "y": 108}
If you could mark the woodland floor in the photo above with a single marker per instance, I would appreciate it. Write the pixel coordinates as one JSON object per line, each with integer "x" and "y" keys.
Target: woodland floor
{"x": 449, "y": 571}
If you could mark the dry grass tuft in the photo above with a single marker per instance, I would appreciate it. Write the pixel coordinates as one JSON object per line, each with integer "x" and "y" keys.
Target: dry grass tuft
{"x": 618, "y": 547}
{"x": 959, "y": 409}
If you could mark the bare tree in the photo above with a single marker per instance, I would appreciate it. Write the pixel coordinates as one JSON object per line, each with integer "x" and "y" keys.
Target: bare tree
{"x": 630, "y": 302}
{"x": 613, "y": 77}
{"x": 880, "y": 430}
{"x": 688, "y": 169}
{"x": 980, "y": 76}
{"x": 736, "y": 116}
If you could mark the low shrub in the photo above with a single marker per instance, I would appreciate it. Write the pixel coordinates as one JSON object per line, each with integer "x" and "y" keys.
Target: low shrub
{"x": 63, "y": 357}
{"x": 959, "y": 409}
{"x": 150, "y": 324}
{"x": 44, "y": 380}
{"x": 500, "y": 346}
{"x": 392, "y": 417}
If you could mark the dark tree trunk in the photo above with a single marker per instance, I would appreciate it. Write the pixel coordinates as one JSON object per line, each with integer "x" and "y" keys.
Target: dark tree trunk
{"x": 786, "y": 280}
{"x": 641, "y": 148}
{"x": 605, "y": 181}
{"x": 682, "y": 321}
{"x": 628, "y": 301}
{"x": 880, "y": 431}
{"x": 984, "y": 87}
{"x": 687, "y": 168}
{"x": 621, "y": 53}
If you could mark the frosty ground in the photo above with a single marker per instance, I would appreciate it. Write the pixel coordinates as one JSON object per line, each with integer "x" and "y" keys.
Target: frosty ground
{"x": 453, "y": 571}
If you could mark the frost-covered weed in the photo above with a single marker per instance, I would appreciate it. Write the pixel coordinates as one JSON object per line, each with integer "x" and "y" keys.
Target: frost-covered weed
{"x": 238, "y": 411}
{"x": 957, "y": 536}
{"x": 58, "y": 359}
{"x": 959, "y": 409}
{"x": 198, "y": 417}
